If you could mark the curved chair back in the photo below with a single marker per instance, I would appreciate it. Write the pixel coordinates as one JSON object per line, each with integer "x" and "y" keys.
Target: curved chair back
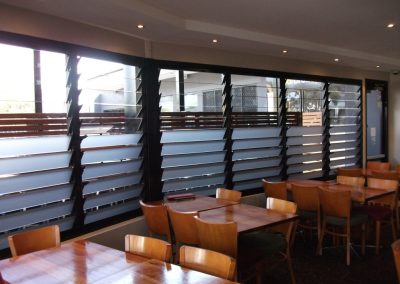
{"x": 379, "y": 166}
{"x": 34, "y": 240}
{"x": 390, "y": 184}
{"x": 275, "y": 189}
{"x": 184, "y": 226}
{"x": 148, "y": 247}
{"x": 156, "y": 217}
{"x": 350, "y": 172}
{"x": 208, "y": 261}
{"x": 220, "y": 237}
{"x": 335, "y": 203}
{"x": 283, "y": 206}
{"x": 306, "y": 197}
{"x": 350, "y": 180}
{"x": 228, "y": 194}
{"x": 385, "y": 175}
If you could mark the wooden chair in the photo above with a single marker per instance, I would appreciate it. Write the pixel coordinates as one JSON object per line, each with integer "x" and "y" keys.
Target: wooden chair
{"x": 222, "y": 238}
{"x": 156, "y": 217}
{"x": 336, "y": 212}
{"x": 396, "y": 256}
{"x": 350, "y": 172}
{"x": 275, "y": 189}
{"x": 208, "y": 261}
{"x": 379, "y": 166}
{"x": 148, "y": 247}
{"x": 398, "y": 169}
{"x": 350, "y": 180}
{"x": 307, "y": 200}
{"x": 383, "y": 209}
{"x": 228, "y": 194}
{"x": 34, "y": 240}
{"x": 385, "y": 175}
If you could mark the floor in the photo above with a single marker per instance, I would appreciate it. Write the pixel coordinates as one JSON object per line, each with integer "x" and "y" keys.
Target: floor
{"x": 331, "y": 268}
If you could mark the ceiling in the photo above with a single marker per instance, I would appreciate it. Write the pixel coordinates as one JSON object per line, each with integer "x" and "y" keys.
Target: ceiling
{"x": 314, "y": 30}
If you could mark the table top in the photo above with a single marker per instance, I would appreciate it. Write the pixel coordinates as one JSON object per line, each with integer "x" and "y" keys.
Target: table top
{"x": 247, "y": 217}
{"x": 87, "y": 262}
{"x": 360, "y": 194}
{"x": 198, "y": 203}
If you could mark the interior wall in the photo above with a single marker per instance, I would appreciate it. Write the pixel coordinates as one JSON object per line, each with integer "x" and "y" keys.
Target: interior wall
{"x": 394, "y": 119}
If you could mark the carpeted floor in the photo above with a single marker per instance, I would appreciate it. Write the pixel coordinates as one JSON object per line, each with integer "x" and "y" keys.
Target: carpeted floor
{"x": 331, "y": 268}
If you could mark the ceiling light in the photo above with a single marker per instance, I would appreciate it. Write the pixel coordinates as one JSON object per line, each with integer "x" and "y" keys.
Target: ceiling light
{"x": 140, "y": 26}
{"x": 336, "y": 59}
{"x": 215, "y": 40}
{"x": 284, "y": 51}
{"x": 391, "y": 25}
{"x": 378, "y": 66}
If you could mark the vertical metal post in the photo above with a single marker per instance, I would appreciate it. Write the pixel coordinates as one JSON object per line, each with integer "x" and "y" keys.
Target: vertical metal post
{"x": 282, "y": 122}
{"x": 149, "y": 98}
{"x": 38, "y": 82}
{"x": 326, "y": 124}
{"x": 181, "y": 91}
{"x": 227, "y": 114}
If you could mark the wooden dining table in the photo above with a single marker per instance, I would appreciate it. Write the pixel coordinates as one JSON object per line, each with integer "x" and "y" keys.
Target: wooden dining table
{"x": 247, "y": 217}
{"x": 360, "y": 194}
{"x": 197, "y": 203}
{"x": 87, "y": 262}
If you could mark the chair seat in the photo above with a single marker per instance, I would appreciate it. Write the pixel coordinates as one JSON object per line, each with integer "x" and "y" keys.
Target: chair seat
{"x": 357, "y": 218}
{"x": 263, "y": 242}
{"x": 377, "y": 213}
{"x": 306, "y": 214}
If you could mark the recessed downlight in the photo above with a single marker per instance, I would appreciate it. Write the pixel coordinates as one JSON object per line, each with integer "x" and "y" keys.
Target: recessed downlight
{"x": 390, "y": 25}
{"x": 378, "y": 66}
{"x": 284, "y": 51}
{"x": 140, "y": 26}
{"x": 215, "y": 40}
{"x": 336, "y": 59}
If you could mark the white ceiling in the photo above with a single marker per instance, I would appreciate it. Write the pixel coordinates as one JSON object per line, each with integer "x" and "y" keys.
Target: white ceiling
{"x": 315, "y": 30}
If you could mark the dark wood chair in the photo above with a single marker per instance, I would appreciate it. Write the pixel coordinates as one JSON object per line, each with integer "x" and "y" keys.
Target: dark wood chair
{"x": 156, "y": 217}
{"x": 351, "y": 172}
{"x": 275, "y": 189}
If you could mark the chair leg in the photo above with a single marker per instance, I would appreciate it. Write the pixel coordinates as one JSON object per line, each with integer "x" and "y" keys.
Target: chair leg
{"x": 394, "y": 232}
{"x": 377, "y": 236}
{"x": 363, "y": 238}
{"x": 290, "y": 265}
{"x": 348, "y": 245}
{"x": 321, "y": 239}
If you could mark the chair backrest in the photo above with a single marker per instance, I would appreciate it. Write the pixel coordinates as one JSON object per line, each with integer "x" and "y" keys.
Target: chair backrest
{"x": 228, "y": 194}
{"x": 184, "y": 226}
{"x": 283, "y": 206}
{"x": 220, "y": 237}
{"x": 350, "y": 172}
{"x": 148, "y": 247}
{"x": 306, "y": 197}
{"x": 391, "y": 184}
{"x": 398, "y": 169}
{"x": 275, "y": 189}
{"x": 385, "y": 175}
{"x": 350, "y": 180}
{"x": 34, "y": 240}
{"x": 380, "y": 166}
{"x": 396, "y": 256}
{"x": 208, "y": 261}
{"x": 156, "y": 217}
{"x": 336, "y": 203}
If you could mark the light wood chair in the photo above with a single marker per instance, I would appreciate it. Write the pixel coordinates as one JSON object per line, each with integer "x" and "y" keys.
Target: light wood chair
{"x": 336, "y": 212}
{"x": 148, "y": 247}
{"x": 156, "y": 217}
{"x": 208, "y": 261}
{"x": 383, "y": 210}
{"x": 351, "y": 180}
{"x": 396, "y": 256}
{"x": 34, "y": 240}
{"x": 379, "y": 166}
{"x": 385, "y": 175}
{"x": 275, "y": 189}
{"x": 351, "y": 172}
{"x": 307, "y": 200}
{"x": 223, "y": 238}
{"x": 228, "y": 194}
